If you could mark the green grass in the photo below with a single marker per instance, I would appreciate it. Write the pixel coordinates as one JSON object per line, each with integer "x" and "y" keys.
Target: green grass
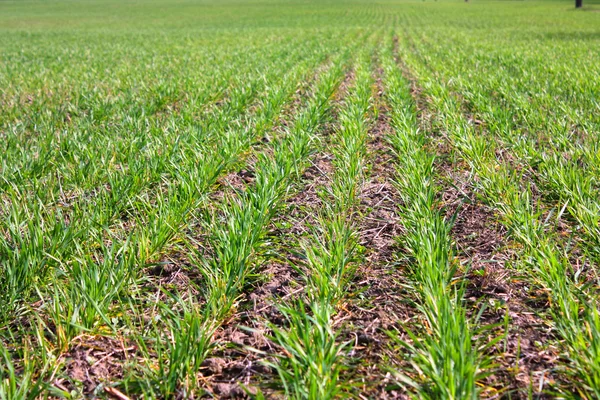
{"x": 151, "y": 150}
{"x": 447, "y": 360}
{"x": 313, "y": 356}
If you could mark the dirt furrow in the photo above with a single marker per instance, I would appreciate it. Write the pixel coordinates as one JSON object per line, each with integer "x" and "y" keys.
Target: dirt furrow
{"x": 236, "y": 363}
{"x": 243, "y": 342}
{"x": 378, "y": 299}
{"x": 497, "y": 292}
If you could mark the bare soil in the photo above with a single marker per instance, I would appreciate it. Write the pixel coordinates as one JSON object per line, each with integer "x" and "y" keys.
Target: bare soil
{"x": 243, "y": 342}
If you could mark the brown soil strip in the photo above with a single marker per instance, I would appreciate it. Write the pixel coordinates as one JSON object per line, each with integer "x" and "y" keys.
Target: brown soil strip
{"x": 379, "y": 300}
{"x": 235, "y": 367}
{"x": 525, "y": 359}
{"x": 237, "y": 363}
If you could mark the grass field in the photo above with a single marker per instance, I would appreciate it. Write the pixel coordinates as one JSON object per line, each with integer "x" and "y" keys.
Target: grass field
{"x": 299, "y": 199}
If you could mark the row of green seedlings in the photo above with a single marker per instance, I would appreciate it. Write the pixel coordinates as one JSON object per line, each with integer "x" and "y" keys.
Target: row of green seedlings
{"x": 159, "y": 220}
{"x": 446, "y": 357}
{"x": 566, "y": 163}
{"x": 565, "y": 179}
{"x": 83, "y": 297}
{"x": 41, "y": 235}
{"x": 165, "y": 91}
{"x": 176, "y": 200}
{"x": 311, "y": 356}
{"x": 163, "y": 218}
{"x": 100, "y": 127}
{"x": 544, "y": 256}
{"x": 83, "y": 303}
{"x": 239, "y": 230}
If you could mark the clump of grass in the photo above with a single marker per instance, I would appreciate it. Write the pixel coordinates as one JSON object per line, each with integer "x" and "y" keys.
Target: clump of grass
{"x": 310, "y": 365}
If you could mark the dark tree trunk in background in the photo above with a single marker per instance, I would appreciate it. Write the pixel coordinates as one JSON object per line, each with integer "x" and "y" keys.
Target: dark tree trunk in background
{"x": 578, "y": 3}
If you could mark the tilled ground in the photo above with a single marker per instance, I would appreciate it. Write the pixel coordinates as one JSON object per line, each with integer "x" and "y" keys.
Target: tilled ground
{"x": 243, "y": 343}
{"x": 379, "y": 297}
